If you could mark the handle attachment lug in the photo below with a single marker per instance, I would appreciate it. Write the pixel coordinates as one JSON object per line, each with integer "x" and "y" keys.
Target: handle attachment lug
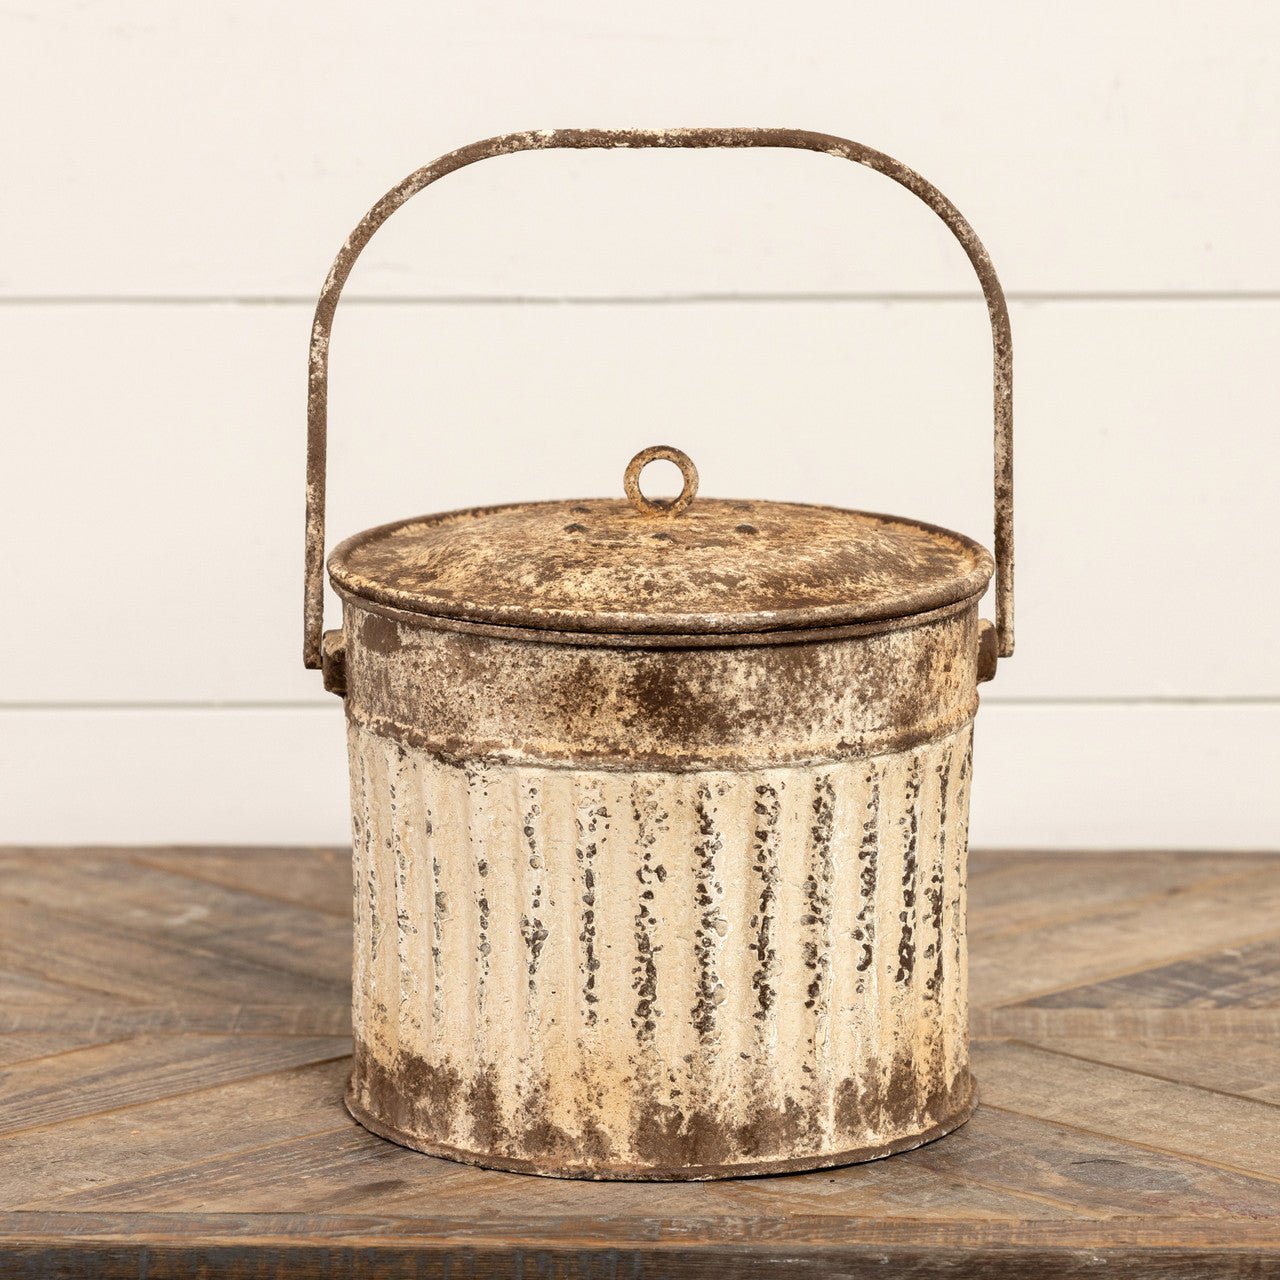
{"x": 333, "y": 662}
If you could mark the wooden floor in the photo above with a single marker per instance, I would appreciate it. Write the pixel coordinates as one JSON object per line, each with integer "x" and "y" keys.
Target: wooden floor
{"x": 173, "y": 1041}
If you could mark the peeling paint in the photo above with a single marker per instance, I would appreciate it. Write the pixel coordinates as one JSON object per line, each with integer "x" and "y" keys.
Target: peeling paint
{"x": 660, "y": 807}
{"x": 719, "y": 986}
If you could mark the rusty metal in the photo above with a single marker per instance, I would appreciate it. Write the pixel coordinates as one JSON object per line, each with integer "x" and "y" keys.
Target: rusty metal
{"x": 660, "y": 506}
{"x": 659, "y": 808}
{"x": 581, "y": 139}
{"x": 647, "y": 972}
{"x": 715, "y": 567}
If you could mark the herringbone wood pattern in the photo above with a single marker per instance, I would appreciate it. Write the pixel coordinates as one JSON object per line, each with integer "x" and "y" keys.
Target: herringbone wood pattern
{"x": 174, "y": 1040}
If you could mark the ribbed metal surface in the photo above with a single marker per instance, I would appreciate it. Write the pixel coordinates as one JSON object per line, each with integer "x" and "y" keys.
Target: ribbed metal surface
{"x": 645, "y": 974}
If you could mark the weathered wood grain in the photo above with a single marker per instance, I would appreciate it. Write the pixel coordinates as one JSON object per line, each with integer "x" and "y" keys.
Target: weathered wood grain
{"x": 1001, "y": 1166}
{"x": 191, "y": 914}
{"x": 348, "y": 1171}
{"x": 127, "y": 1245}
{"x": 98, "y": 1151}
{"x": 127, "y": 1072}
{"x": 1020, "y": 1022}
{"x": 318, "y": 878}
{"x": 173, "y": 1040}
{"x": 1234, "y": 1132}
{"x": 111, "y": 957}
{"x": 1248, "y": 1066}
{"x": 366, "y": 1230}
{"x": 328, "y": 1013}
{"x": 22, "y": 991}
{"x": 1010, "y": 966}
{"x": 1096, "y": 1174}
{"x": 1242, "y": 976}
{"x": 33, "y": 1046}
{"x": 1052, "y": 887}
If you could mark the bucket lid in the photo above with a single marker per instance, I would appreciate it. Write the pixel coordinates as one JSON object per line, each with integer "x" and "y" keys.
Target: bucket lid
{"x": 651, "y": 567}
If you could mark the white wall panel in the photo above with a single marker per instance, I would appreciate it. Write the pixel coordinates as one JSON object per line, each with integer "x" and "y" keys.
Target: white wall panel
{"x": 178, "y": 178}
{"x": 148, "y": 775}
{"x": 152, "y": 505}
{"x": 153, "y": 148}
{"x": 1044, "y": 777}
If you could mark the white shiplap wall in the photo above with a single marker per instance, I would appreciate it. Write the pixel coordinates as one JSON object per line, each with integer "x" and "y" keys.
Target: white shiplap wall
{"x": 179, "y": 177}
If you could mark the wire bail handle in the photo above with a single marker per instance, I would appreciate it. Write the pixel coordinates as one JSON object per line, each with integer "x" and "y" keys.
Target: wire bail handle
{"x": 1001, "y": 642}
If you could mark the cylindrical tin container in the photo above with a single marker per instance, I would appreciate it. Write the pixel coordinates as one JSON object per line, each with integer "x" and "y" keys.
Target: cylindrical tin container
{"x": 660, "y": 809}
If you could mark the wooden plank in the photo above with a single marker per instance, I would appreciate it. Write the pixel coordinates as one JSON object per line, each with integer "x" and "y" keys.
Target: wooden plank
{"x": 21, "y": 992}
{"x": 349, "y": 1171}
{"x": 318, "y": 878}
{"x": 165, "y": 907}
{"x": 364, "y": 1230}
{"x": 1153, "y": 180}
{"x": 807, "y": 365}
{"x": 244, "y": 1245}
{"x": 1244, "y": 1065}
{"x": 1036, "y": 888}
{"x": 100, "y": 1022}
{"x": 1245, "y": 976}
{"x": 128, "y": 1072}
{"x": 999, "y": 1165}
{"x": 172, "y": 1152}
{"x": 1096, "y": 1174}
{"x": 338, "y": 1168}
{"x": 39, "y": 1167}
{"x": 30, "y": 1046}
{"x": 1235, "y": 1133}
{"x": 115, "y": 960}
{"x": 1016, "y": 965}
{"x": 1024, "y": 1022}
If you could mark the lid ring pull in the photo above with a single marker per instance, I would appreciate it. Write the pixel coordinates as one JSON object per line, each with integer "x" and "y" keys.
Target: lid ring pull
{"x": 661, "y": 506}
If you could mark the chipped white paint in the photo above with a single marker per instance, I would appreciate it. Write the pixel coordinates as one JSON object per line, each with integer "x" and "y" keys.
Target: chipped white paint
{"x": 630, "y": 973}
{"x": 617, "y": 958}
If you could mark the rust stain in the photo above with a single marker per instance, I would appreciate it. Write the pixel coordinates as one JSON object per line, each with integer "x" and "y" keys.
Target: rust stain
{"x": 608, "y": 1067}
{"x": 911, "y": 821}
{"x": 935, "y": 889}
{"x": 710, "y": 927}
{"x": 650, "y": 819}
{"x": 380, "y": 634}
{"x": 540, "y": 566}
{"x": 765, "y": 864}
{"x": 864, "y": 932}
{"x": 473, "y": 697}
{"x": 592, "y": 822}
{"x": 659, "y": 807}
{"x": 817, "y": 891}
{"x": 578, "y": 139}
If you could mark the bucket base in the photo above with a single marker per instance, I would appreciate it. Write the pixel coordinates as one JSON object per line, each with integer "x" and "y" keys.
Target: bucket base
{"x": 689, "y": 1173}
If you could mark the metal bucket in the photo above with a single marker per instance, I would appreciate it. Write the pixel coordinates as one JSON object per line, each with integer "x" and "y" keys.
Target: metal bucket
{"x": 660, "y": 808}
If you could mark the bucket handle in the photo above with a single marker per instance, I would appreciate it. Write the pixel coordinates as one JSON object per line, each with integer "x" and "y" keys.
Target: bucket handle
{"x": 1000, "y": 642}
